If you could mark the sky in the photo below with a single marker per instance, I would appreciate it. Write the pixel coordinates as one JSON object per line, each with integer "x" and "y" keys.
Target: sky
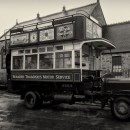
{"x": 115, "y": 11}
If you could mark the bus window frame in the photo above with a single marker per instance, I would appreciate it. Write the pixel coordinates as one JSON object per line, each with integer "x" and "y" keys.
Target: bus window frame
{"x": 54, "y": 52}
{"x": 12, "y": 61}
{"x": 31, "y": 61}
{"x": 64, "y": 51}
{"x": 39, "y": 53}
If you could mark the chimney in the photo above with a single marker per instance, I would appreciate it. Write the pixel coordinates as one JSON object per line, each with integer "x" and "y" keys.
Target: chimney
{"x": 98, "y": 1}
{"x": 64, "y": 10}
{"x": 38, "y": 16}
{"x": 16, "y": 21}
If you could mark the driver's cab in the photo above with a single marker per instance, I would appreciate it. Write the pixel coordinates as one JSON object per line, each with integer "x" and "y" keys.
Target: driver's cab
{"x": 88, "y": 57}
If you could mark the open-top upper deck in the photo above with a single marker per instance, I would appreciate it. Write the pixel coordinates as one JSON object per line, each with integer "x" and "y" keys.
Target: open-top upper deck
{"x": 77, "y": 27}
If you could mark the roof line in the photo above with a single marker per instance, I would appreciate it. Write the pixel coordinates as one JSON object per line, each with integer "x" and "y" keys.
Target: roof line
{"x": 6, "y": 32}
{"x": 119, "y": 23}
{"x": 50, "y": 16}
{"x": 98, "y": 2}
{"x": 59, "y": 12}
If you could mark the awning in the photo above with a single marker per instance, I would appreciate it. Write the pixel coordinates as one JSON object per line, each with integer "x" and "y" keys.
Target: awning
{"x": 99, "y": 43}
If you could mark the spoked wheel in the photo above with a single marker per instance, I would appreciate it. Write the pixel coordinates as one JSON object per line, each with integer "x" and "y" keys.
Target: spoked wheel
{"x": 121, "y": 108}
{"x": 31, "y": 100}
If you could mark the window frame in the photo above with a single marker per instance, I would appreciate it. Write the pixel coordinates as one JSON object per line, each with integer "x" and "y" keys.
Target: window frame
{"x": 15, "y": 52}
{"x": 13, "y": 62}
{"x": 31, "y": 61}
{"x": 64, "y": 59}
{"x": 117, "y": 63}
{"x": 51, "y": 58}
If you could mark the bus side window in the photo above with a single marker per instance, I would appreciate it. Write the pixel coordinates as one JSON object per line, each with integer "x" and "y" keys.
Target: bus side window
{"x": 64, "y": 59}
{"x": 31, "y": 62}
{"x": 46, "y": 61}
{"x": 17, "y": 62}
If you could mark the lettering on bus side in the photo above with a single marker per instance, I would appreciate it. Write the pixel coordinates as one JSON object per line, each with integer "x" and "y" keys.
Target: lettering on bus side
{"x": 18, "y": 76}
{"x": 48, "y": 77}
{"x": 33, "y": 77}
{"x": 57, "y": 77}
{"x": 66, "y": 77}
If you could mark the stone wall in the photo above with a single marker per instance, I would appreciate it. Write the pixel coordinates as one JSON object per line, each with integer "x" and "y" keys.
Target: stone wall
{"x": 106, "y": 63}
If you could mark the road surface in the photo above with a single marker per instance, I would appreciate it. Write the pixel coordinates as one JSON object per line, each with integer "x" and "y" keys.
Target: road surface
{"x": 14, "y": 116}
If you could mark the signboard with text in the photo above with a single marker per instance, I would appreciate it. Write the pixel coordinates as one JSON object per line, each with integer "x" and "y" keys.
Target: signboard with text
{"x": 46, "y": 35}
{"x": 33, "y": 37}
{"x": 89, "y": 31}
{"x": 44, "y": 77}
{"x": 93, "y": 30}
{"x": 20, "y": 39}
{"x": 65, "y": 32}
{"x": 76, "y": 28}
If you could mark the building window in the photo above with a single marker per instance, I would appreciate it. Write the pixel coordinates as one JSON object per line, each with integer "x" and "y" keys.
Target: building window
{"x": 64, "y": 59}
{"x": 46, "y": 61}
{"x": 116, "y": 65}
{"x": 17, "y": 62}
{"x": 31, "y": 62}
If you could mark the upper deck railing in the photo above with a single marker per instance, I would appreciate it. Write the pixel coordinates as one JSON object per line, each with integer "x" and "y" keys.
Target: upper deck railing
{"x": 48, "y": 23}
{"x": 71, "y": 27}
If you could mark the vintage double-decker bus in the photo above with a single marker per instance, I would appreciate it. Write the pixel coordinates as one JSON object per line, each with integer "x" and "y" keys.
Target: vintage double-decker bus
{"x": 60, "y": 60}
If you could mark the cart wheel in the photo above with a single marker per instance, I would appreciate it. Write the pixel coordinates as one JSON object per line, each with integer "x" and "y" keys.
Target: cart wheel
{"x": 120, "y": 108}
{"x": 31, "y": 100}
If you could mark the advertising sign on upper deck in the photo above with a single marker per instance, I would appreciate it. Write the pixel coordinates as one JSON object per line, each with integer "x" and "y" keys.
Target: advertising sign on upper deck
{"x": 65, "y": 32}
{"x": 20, "y": 39}
{"x": 99, "y": 32}
{"x": 89, "y": 32}
{"x": 33, "y": 37}
{"x": 93, "y": 30}
{"x": 46, "y": 35}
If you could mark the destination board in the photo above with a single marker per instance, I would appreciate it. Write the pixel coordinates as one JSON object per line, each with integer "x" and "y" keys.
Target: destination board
{"x": 44, "y": 77}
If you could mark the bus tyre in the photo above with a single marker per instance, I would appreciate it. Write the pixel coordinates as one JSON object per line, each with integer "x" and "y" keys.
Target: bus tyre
{"x": 39, "y": 99}
{"x": 120, "y": 108}
{"x": 31, "y": 100}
